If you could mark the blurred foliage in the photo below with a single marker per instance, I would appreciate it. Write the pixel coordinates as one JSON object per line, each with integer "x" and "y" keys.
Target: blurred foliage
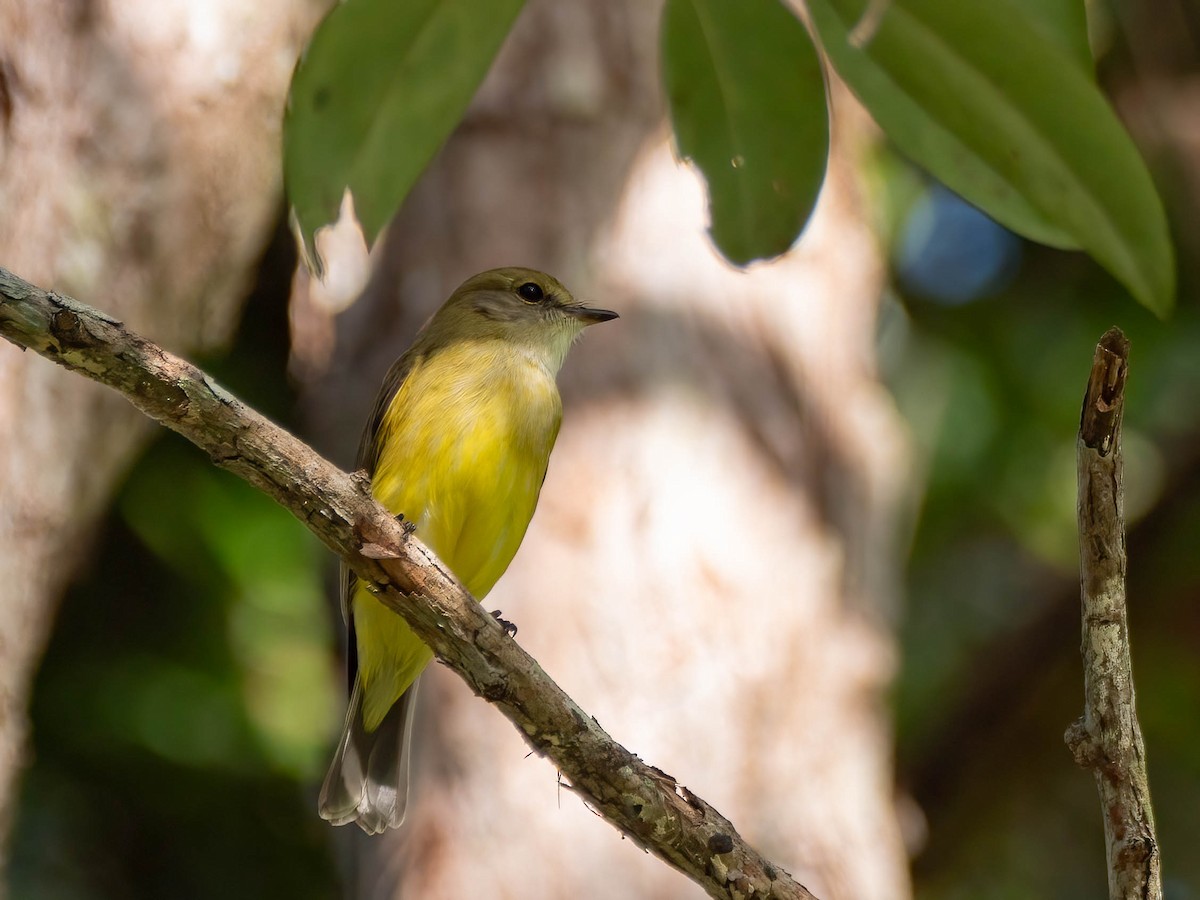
{"x": 989, "y": 371}
{"x": 185, "y": 705}
{"x": 991, "y": 674}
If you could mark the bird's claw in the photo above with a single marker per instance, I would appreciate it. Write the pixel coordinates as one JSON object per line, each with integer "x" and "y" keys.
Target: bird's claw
{"x": 509, "y": 628}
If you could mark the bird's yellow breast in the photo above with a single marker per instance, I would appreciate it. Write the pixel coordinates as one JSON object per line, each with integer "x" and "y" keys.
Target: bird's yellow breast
{"x": 462, "y": 453}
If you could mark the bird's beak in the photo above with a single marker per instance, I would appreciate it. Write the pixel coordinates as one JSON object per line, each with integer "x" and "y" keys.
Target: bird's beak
{"x": 589, "y": 316}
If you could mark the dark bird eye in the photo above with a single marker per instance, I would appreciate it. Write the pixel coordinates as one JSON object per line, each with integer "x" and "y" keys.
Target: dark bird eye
{"x": 531, "y": 292}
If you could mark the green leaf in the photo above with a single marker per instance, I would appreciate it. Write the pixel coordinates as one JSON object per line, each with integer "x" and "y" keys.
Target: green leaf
{"x": 379, "y": 88}
{"x": 747, "y": 101}
{"x": 1062, "y": 22}
{"x": 1002, "y": 115}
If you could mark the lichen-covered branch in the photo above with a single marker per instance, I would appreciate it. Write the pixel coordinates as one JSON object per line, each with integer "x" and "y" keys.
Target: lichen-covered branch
{"x": 1108, "y": 739}
{"x": 645, "y": 803}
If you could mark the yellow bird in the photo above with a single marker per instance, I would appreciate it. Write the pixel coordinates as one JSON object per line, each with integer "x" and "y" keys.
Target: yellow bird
{"x": 458, "y": 444}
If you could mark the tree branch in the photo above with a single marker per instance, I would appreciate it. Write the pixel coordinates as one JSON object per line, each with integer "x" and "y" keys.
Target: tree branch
{"x": 1108, "y": 739}
{"x": 643, "y": 802}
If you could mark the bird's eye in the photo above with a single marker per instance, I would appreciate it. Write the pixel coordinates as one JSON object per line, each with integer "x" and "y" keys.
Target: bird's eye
{"x": 531, "y": 292}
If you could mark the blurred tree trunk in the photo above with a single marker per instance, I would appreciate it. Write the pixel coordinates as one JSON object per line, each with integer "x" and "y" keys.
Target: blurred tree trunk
{"x": 139, "y": 170}
{"x": 712, "y": 569}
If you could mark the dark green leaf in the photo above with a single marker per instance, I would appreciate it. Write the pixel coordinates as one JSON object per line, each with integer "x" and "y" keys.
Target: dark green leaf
{"x": 747, "y": 103}
{"x": 375, "y": 95}
{"x": 1001, "y": 114}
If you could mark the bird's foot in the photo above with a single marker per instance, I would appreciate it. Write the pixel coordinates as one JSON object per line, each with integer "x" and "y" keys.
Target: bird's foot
{"x": 509, "y": 628}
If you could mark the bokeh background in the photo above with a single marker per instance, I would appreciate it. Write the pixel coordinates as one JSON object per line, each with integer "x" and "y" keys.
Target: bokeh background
{"x": 183, "y": 711}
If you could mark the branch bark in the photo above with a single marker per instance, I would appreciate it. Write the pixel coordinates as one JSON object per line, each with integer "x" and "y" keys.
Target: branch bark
{"x": 1108, "y": 739}
{"x": 643, "y": 802}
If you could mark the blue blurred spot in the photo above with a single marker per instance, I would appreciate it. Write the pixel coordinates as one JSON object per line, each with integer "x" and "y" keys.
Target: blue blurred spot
{"x": 950, "y": 252}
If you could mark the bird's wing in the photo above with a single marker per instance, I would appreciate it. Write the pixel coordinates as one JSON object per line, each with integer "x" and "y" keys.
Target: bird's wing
{"x": 368, "y": 457}
{"x": 368, "y": 452}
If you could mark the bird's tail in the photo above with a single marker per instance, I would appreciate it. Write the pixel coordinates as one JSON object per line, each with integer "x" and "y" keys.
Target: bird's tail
{"x": 368, "y": 779}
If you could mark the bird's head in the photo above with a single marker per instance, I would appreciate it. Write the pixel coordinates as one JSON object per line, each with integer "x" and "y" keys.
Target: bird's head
{"x": 528, "y": 308}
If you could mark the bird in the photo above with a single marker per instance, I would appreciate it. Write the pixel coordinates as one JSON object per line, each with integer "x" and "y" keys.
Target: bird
{"x": 458, "y": 444}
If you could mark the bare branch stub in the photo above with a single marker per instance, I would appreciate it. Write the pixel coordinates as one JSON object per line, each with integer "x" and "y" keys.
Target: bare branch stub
{"x": 1104, "y": 399}
{"x": 1107, "y": 739}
